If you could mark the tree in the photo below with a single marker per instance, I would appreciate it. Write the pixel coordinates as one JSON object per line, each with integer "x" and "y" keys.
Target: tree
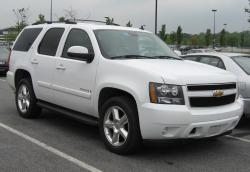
{"x": 109, "y": 20}
{"x": 41, "y": 19}
{"x": 194, "y": 40}
{"x": 21, "y": 18}
{"x": 223, "y": 37}
{"x": 172, "y": 38}
{"x": 61, "y": 19}
{"x": 129, "y": 24}
{"x": 162, "y": 34}
{"x": 179, "y": 35}
{"x": 242, "y": 39}
{"x": 208, "y": 37}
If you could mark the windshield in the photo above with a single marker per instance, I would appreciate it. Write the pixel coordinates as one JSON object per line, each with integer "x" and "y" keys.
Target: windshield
{"x": 3, "y": 52}
{"x": 115, "y": 44}
{"x": 243, "y": 62}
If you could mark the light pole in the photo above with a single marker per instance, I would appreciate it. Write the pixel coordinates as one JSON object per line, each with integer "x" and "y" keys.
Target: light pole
{"x": 156, "y": 15}
{"x": 214, "y": 11}
{"x": 51, "y": 10}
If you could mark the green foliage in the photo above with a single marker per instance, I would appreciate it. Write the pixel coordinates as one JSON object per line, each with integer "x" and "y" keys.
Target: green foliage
{"x": 172, "y": 38}
{"x": 41, "y": 19}
{"x": 223, "y": 37}
{"x": 179, "y": 35}
{"x": 129, "y": 24}
{"x": 162, "y": 34}
{"x": 109, "y": 20}
{"x": 208, "y": 37}
{"x": 194, "y": 40}
{"x": 61, "y": 19}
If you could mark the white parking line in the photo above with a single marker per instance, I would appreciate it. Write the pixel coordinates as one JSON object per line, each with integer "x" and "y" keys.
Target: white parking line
{"x": 51, "y": 149}
{"x": 238, "y": 138}
{"x": 3, "y": 80}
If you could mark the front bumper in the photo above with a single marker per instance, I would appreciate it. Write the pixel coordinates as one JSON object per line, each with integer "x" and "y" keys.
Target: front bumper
{"x": 173, "y": 121}
{"x": 246, "y": 107}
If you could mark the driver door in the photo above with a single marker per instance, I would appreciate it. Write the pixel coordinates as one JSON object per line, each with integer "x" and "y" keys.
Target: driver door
{"x": 75, "y": 79}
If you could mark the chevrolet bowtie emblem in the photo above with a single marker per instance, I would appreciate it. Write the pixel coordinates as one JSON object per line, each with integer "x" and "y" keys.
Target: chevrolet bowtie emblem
{"x": 218, "y": 93}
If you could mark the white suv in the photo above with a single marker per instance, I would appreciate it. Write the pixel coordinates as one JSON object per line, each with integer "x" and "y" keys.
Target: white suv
{"x": 125, "y": 80}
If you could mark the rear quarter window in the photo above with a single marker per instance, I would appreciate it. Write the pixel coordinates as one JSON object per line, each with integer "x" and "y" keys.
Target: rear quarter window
{"x": 26, "y": 39}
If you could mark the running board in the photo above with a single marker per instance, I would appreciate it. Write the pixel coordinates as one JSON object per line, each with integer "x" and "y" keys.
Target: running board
{"x": 69, "y": 113}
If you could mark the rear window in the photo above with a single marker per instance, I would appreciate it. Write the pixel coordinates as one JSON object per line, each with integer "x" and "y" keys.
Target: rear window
{"x": 243, "y": 62}
{"x": 50, "y": 42}
{"x": 26, "y": 39}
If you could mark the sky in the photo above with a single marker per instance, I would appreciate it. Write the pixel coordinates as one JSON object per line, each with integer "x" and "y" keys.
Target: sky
{"x": 194, "y": 16}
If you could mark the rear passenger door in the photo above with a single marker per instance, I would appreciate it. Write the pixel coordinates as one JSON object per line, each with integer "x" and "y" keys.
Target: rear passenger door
{"x": 75, "y": 79}
{"x": 43, "y": 63}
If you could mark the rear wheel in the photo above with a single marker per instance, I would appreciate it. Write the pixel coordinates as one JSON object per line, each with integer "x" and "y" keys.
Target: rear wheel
{"x": 26, "y": 100}
{"x": 119, "y": 125}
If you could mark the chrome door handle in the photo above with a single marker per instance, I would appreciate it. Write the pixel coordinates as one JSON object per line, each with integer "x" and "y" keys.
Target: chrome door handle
{"x": 60, "y": 67}
{"x": 34, "y": 61}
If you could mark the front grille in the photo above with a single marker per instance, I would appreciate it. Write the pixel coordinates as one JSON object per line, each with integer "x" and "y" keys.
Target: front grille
{"x": 211, "y": 101}
{"x": 211, "y": 87}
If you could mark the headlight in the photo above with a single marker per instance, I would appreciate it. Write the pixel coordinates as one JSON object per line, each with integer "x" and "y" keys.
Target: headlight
{"x": 166, "y": 94}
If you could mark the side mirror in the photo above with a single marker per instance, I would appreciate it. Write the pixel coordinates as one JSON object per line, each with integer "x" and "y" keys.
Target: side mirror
{"x": 80, "y": 53}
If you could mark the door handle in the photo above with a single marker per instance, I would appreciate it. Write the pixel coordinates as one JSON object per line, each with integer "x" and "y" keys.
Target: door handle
{"x": 34, "y": 61}
{"x": 60, "y": 67}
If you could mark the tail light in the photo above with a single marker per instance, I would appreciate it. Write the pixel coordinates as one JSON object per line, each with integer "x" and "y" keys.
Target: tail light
{"x": 8, "y": 62}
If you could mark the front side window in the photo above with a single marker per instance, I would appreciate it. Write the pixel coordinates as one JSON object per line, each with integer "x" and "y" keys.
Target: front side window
{"x": 50, "y": 42}
{"x": 26, "y": 39}
{"x": 243, "y": 62}
{"x": 77, "y": 37}
{"x": 132, "y": 44}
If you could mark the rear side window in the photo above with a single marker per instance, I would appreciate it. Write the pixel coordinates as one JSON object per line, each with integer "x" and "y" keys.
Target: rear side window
{"x": 77, "y": 37}
{"x": 213, "y": 61}
{"x": 192, "y": 58}
{"x": 26, "y": 39}
{"x": 50, "y": 42}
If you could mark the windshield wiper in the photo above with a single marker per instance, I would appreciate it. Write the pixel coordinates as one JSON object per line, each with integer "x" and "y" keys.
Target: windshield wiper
{"x": 167, "y": 57}
{"x": 132, "y": 57}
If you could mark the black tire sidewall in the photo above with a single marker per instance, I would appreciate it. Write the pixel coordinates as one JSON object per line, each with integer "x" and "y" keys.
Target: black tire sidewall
{"x": 33, "y": 110}
{"x": 134, "y": 138}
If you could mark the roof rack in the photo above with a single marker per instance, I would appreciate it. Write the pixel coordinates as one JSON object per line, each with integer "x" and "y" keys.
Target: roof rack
{"x": 74, "y": 21}
{"x": 51, "y": 22}
{"x": 95, "y": 21}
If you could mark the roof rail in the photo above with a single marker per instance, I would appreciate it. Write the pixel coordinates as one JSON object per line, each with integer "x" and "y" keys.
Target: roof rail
{"x": 74, "y": 21}
{"x": 95, "y": 21}
{"x": 51, "y": 22}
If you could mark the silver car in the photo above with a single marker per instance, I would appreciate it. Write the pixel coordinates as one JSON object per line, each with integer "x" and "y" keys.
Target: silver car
{"x": 239, "y": 64}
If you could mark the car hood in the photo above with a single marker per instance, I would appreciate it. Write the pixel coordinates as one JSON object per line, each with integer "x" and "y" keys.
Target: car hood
{"x": 181, "y": 72}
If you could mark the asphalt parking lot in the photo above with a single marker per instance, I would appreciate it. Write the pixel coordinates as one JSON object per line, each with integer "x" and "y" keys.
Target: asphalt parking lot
{"x": 54, "y": 143}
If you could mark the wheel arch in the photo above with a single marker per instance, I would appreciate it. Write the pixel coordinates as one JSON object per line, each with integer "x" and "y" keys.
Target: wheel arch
{"x": 20, "y": 74}
{"x": 108, "y": 92}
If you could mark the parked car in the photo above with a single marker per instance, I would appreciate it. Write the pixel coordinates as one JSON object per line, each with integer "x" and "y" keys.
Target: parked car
{"x": 239, "y": 64}
{"x": 125, "y": 80}
{"x": 192, "y": 51}
{"x": 4, "y": 52}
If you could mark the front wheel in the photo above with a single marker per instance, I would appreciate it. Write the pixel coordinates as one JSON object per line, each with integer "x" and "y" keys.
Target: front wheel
{"x": 119, "y": 125}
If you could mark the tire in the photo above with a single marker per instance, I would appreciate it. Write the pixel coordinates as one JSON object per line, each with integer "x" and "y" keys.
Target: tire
{"x": 26, "y": 99}
{"x": 108, "y": 129}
